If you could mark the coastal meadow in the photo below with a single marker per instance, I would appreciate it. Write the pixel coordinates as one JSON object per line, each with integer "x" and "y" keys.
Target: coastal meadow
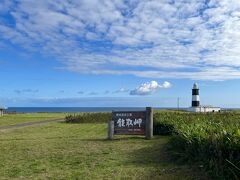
{"x": 211, "y": 140}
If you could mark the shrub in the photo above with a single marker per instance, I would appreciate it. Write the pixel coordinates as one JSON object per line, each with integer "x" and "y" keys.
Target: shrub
{"x": 88, "y": 118}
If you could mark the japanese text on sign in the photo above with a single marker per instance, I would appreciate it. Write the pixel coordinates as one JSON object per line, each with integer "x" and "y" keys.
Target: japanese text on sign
{"x": 129, "y": 122}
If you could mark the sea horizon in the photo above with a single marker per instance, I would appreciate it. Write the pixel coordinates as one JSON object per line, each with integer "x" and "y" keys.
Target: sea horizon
{"x": 80, "y": 109}
{"x": 89, "y": 109}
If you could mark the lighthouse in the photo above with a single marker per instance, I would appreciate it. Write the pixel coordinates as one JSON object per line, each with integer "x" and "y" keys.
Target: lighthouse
{"x": 196, "y": 107}
{"x": 195, "y": 96}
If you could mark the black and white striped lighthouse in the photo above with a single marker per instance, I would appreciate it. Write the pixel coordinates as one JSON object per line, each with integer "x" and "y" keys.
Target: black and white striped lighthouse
{"x": 195, "y": 96}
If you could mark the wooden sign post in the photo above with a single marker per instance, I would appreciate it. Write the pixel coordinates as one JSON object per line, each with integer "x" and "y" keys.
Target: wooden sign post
{"x": 131, "y": 123}
{"x": 149, "y": 123}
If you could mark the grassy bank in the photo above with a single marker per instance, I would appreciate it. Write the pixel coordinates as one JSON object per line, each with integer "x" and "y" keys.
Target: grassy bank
{"x": 71, "y": 151}
{"x": 212, "y": 140}
{"x": 11, "y": 119}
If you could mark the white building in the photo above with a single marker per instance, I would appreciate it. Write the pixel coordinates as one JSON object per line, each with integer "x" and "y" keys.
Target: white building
{"x": 205, "y": 109}
{"x": 196, "y": 106}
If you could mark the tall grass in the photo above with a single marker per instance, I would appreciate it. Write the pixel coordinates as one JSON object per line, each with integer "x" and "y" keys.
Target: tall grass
{"x": 210, "y": 139}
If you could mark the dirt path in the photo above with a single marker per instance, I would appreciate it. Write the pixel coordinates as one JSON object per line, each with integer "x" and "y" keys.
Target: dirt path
{"x": 29, "y": 124}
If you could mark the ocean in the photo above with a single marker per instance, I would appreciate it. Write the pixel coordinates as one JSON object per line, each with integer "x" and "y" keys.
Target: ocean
{"x": 87, "y": 109}
{"x": 74, "y": 109}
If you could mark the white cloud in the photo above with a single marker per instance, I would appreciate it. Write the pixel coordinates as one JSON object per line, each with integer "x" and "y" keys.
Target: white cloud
{"x": 121, "y": 90}
{"x": 167, "y": 39}
{"x": 166, "y": 85}
{"x": 80, "y": 92}
{"x": 20, "y": 91}
{"x": 143, "y": 101}
{"x": 93, "y": 93}
{"x": 106, "y": 92}
{"x": 5, "y": 5}
{"x": 149, "y": 88}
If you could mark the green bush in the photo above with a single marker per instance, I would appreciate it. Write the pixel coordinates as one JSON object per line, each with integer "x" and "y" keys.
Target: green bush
{"x": 88, "y": 118}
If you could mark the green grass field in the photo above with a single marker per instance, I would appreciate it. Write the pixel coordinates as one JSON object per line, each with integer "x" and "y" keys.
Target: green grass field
{"x": 80, "y": 151}
{"x": 12, "y": 119}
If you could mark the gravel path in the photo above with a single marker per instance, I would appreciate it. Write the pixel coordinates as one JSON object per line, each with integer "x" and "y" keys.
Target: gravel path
{"x": 29, "y": 124}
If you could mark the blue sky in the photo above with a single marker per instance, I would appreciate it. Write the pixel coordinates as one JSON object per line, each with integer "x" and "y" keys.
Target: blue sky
{"x": 119, "y": 53}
